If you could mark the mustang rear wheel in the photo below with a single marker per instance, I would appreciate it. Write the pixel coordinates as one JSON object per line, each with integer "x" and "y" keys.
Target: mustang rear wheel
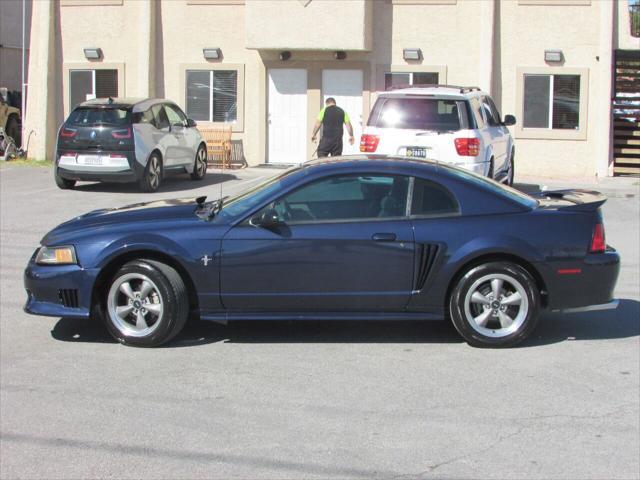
{"x": 146, "y": 304}
{"x": 495, "y": 304}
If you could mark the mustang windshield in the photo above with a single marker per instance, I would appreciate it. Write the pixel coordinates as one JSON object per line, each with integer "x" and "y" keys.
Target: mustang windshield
{"x": 238, "y": 204}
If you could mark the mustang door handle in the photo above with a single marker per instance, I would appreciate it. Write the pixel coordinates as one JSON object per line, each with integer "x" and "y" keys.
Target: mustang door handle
{"x": 383, "y": 237}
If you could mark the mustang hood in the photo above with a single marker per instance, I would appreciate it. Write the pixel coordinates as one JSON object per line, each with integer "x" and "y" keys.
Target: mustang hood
{"x": 176, "y": 209}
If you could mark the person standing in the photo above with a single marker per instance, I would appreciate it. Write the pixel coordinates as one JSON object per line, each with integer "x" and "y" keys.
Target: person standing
{"x": 331, "y": 118}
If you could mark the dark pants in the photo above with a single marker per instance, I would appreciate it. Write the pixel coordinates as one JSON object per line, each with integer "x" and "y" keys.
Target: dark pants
{"x": 330, "y": 147}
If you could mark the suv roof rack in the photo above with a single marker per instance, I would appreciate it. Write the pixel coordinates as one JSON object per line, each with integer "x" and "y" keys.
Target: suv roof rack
{"x": 432, "y": 85}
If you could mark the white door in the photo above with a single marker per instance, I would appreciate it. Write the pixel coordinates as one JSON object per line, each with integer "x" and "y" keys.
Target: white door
{"x": 287, "y": 115}
{"x": 346, "y": 87}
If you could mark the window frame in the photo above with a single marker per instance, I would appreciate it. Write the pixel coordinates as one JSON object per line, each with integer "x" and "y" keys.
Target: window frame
{"x": 238, "y": 124}
{"x": 550, "y": 133}
{"x": 66, "y": 79}
{"x": 411, "y": 68}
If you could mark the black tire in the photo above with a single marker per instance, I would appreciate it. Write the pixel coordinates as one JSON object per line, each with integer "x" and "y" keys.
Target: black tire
{"x": 63, "y": 183}
{"x": 491, "y": 169}
{"x": 496, "y": 332}
{"x": 13, "y": 129}
{"x": 511, "y": 174}
{"x": 152, "y": 176}
{"x": 169, "y": 292}
{"x": 200, "y": 165}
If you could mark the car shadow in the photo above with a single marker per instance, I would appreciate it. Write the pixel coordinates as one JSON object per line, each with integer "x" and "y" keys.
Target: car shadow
{"x": 171, "y": 183}
{"x": 624, "y": 322}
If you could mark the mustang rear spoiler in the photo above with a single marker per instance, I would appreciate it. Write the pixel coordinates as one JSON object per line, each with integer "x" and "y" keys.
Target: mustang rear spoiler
{"x": 582, "y": 200}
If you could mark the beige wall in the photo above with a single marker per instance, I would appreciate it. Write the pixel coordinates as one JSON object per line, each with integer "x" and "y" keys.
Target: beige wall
{"x": 308, "y": 25}
{"x": 153, "y": 43}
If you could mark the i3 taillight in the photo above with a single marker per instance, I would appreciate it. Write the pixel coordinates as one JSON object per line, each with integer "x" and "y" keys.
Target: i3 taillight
{"x": 369, "y": 143}
{"x": 467, "y": 147}
{"x": 121, "y": 134}
{"x": 68, "y": 132}
{"x": 598, "y": 244}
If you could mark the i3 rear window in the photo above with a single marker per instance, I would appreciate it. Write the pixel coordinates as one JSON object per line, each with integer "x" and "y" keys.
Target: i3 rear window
{"x": 93, "y": 117}
{"x": 439, "y": 115}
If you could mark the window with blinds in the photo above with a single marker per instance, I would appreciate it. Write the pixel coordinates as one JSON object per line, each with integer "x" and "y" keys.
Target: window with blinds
{"x": 551, "y": 101}
{"x": 212, "y": 95}
{"x": 88, "y": 84}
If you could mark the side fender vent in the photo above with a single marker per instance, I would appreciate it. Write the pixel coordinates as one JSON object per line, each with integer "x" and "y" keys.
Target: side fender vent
{"x": 68, "y": 298}
{"x": 428, "y": 253}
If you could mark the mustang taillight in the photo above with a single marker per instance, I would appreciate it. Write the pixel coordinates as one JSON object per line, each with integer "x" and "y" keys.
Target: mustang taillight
{"x": 369, "y": 143}
{"x": 467, "y": 147}
{"x": 121, "y": 134}
{"x": 598, "y": 244}
{"x": 68, "y": 132}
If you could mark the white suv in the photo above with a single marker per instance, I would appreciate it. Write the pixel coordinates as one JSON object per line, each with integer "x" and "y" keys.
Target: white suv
{"x": 457, "y": 125}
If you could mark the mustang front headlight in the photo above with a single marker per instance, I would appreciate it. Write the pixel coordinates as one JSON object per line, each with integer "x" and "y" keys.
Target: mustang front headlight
{"x": 63, "y": 255}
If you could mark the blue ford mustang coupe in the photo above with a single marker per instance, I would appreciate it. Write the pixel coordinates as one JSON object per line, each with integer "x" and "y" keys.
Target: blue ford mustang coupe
{"x": 366, "y": 238}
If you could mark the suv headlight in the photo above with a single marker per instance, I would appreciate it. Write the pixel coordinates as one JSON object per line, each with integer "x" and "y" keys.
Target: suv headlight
{"x": 63, "y": 255}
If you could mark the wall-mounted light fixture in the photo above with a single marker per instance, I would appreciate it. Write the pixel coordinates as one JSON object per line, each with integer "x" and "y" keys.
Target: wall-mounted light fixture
{"x": 92, "y": 53}
{"x": 211, "y": 53}
{"x": 412, "y": 54}
{"x": 340, "y": 55}
{"x": 285, "y": 55}
{"x": 553, "y": 56}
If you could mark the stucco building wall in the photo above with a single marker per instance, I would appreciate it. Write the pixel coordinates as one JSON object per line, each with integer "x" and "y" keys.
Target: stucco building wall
{"x": 489, "y": 43}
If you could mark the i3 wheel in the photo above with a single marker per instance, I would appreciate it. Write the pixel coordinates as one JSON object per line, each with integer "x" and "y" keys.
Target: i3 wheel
{"x": 63, "y": 183}
{"x": 511, "y": 174}
{"x": 146, "y": 304}
{"x": 152, "y": 177}
{"x": 200, "y": 166}
{"x": 495, "y": 305}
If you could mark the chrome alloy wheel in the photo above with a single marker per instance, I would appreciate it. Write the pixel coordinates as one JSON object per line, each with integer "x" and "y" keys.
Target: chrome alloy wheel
{"x": 496, "y": 305}
{"x": 154, "y": 172}
{"x": 135, "y": 305}
{"x": 201, "y": 162}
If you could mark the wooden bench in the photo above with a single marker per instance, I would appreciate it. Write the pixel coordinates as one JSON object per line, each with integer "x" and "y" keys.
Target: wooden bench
{"x": 218, "y": 140}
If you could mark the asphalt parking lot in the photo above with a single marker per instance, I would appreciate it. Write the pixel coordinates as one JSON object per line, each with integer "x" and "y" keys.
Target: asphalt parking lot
{"x": 310, "y": 400}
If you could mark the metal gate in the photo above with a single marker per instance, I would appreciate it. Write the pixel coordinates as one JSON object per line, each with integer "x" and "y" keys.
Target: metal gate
{"x": 626, "y": 113}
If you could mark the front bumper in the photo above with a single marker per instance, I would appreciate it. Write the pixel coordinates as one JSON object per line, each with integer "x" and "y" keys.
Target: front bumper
{"x": 125, "y": 169}
{"x": 582, "y": 285}
{"x": 59, "y": 291}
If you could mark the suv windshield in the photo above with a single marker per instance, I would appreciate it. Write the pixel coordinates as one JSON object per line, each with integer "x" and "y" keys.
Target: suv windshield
{"x": 91, "y": 117}
{"x": 417, "y": 113}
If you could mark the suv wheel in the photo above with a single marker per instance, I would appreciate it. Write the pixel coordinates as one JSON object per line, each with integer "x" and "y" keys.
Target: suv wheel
{"x": 152, "y": 177}
{"x": 200, "y": 166}
{"x": 490, "y": 173}
{"x": 495, "y": 304}
{"x": 13, "y": 129}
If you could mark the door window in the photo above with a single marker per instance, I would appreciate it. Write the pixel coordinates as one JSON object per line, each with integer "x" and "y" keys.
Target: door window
{"x": 490, "y": 112}
{"x": 174, "y": 115}
{"x": 349, "y": 197}
{"x": 430, "y": 198}
{"x": 476, "y": 108}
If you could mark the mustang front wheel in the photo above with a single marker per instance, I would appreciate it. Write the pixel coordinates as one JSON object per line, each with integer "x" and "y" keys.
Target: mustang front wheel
{"x": 495, "y": 304}
{"x": 146, "y": 304}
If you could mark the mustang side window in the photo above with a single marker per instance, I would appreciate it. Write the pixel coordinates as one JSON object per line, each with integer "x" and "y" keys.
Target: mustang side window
{"x": 349, "y": 197}
{"x": 432, "y": 199}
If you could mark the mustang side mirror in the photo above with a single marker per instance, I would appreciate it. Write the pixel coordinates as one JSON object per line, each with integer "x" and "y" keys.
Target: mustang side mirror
{"x": 509, "y": 120}
{"x": 267, "y": 219}
{"x": 191, "y": 123}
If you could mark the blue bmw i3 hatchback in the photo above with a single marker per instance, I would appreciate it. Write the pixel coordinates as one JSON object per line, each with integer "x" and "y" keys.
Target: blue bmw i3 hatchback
{"x": 351, "y": 238}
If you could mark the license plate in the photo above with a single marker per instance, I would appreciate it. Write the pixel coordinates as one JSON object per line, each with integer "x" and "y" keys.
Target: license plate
{"x": 90, "y": 160}
{"x": 417, "y": 152}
